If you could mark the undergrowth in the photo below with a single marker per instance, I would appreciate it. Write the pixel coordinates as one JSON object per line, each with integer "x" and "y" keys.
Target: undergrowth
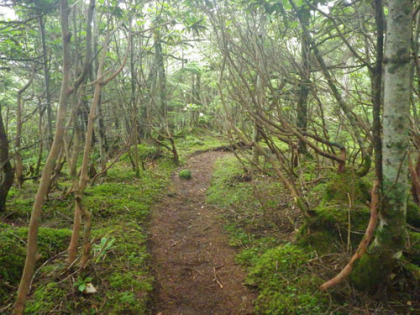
{"x": 287, "y": 258}
{"x": 119, "y": 268}
{"x": 261, "y": 225}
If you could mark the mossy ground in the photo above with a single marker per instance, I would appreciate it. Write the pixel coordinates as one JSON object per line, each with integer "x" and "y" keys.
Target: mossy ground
{"x": 198, "y": 140}
{"x": 119, "y": 268}
{"x": 261, "y": 226}
{"x": 287, "y": 258}
{"x": 120, "y": 203}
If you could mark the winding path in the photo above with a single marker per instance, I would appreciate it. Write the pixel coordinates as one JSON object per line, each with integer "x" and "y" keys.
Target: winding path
{"x": 193, "y": 264}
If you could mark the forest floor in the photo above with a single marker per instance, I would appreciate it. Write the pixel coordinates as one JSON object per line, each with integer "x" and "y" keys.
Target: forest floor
{"x": 230, "y": 240}
{"x": 193, "y": 264}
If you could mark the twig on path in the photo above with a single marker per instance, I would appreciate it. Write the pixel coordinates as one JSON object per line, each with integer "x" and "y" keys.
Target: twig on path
{"x": 215, "y": 278}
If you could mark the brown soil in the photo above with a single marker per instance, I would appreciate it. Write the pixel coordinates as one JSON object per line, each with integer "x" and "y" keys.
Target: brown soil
{"x": 193, "y": 264}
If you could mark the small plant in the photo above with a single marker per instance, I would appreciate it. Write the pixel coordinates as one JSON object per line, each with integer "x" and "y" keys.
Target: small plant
{"x": 81, "y": 283}
{"x": 100, "y": 250}
{"x": 185, "y": 174}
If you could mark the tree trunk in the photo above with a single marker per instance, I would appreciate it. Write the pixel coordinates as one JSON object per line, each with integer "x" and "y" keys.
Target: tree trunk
{"x": 355, "y": 125}
{"x": 19, "y": 123}
{"x": 302, "y": 110}
{"x": 134, "y": 136}
{"x": 385, "y": 251}
{"x": 377, "y": 89}
{"x": 161, "y": 75}
{"x": 102, "y": 135}
{"x": 80, "y": 186}
{"x": 6, "y": 170}
{"x": 49, "y": 165}
{"x": 46, "y": 80}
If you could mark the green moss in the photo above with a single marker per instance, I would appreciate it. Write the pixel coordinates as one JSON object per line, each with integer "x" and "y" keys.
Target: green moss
{"x": 328, "y": 228}
{"x": 413, "y": 213}
{"x": 249, "y": 256}
{"x": 45, "y": 298}
{"x": 281, "y": 275}
{"x": 198, "y": 141}
{"x": 13, "y": 251}
{"x": 370, "y": 270}
{"x": 285, "y": 286}
{"x": 120, "y": 205}
{"x": 185, "y": 174}
{"x": 12, "y": 259}
{"x": 129, "y": 283}
{"x": 147, "y": 151}
{"x": 413, "y": 247}
{"x": 321, "y": 241}
{"x": 237, "y": 236}
{"x": 226, "y": 189}
{"x": 342, "y": 186}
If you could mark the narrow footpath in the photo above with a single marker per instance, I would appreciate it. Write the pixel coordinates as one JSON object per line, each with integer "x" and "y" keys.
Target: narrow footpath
{"x": 193, "y": 264}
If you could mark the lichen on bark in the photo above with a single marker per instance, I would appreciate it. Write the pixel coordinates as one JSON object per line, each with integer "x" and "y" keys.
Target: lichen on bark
{"x": 375, "y": 267}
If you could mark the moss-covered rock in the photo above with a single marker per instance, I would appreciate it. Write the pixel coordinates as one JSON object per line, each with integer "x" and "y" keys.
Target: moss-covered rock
{"x": 185, "y": 174}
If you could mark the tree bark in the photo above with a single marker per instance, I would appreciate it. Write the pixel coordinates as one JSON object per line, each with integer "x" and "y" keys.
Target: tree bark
{"x": 79, "y": 188}
{"x": 305, "y": 81}
{"x": 355, "y": 125}
{"x": 49, "y": 165}
{"x": 46, "y": 80}
{"x": 377, "y": 89}
{"x": 6, "y": 170}
{"x": 387, "y": 247}
{"x": 19, "y": 123}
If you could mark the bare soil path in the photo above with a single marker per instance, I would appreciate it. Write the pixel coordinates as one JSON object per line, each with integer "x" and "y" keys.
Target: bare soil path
{"x": 193, "y": 264}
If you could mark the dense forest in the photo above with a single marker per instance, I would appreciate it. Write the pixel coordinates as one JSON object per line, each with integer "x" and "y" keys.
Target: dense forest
{"x": 210, "y": 157}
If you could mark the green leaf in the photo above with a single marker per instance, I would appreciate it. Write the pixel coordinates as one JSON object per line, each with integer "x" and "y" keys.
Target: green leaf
{"x": 82, "y": 287}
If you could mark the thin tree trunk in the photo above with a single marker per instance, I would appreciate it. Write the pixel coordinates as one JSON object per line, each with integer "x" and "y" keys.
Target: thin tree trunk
{"x": 134, "y": 121}
{"x": 77, "y": 221}
{"x": 84, "y": 170}
{"x": 6, "y": 169}
{"x": 41, "y": 146}
{"x": 19, "y": 123}
{"x": 102, "y": 136}
{"x": 377, "y": 90}
{"x": 161, "y": 77}
{"x": 46, "y": 80}
{"x": 355, "y": 125}
{"x": 302, "y": 108}
{"x": 49, "y": 165}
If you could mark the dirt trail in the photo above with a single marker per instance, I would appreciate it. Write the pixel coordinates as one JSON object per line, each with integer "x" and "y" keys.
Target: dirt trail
{"x": 193, "y": 265}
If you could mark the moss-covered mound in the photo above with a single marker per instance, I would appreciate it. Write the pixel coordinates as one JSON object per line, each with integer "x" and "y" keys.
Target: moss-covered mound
{"x": 342, "y": 212}
{"x": 284, "y": 284}
{"x": 341, "y": 187}
{"x": 13, "y": 251}
{"x": 185, "y": 174}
